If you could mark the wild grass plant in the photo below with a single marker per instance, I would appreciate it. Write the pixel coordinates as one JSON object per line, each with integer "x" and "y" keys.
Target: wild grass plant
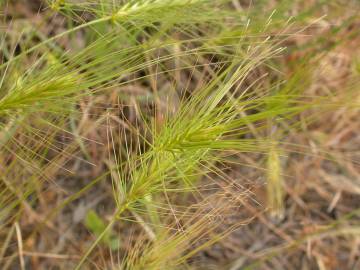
{"x": 147, "y": 106}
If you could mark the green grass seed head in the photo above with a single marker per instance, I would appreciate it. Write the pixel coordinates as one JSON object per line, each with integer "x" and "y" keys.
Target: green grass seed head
{"x": 275, "y": 185}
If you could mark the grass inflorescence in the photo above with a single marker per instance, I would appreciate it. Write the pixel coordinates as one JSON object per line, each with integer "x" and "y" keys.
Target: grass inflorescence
{"x": 147, "y": 134}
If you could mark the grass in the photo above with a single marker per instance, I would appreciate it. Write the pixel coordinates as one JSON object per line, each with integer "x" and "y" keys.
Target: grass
{"x": 148, "y": 134}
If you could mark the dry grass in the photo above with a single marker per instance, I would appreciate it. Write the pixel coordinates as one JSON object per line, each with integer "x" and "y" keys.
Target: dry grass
{"x": 293, "y": 207}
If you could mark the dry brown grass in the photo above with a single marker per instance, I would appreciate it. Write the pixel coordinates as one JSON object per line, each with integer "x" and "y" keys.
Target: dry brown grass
{"x": 320, "y": 171}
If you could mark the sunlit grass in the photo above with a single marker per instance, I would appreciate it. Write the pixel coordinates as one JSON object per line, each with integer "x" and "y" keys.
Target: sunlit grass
{"x": 215, "y": 87}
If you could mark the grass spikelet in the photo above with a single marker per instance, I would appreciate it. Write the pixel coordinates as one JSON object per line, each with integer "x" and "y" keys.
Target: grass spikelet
{"x": 275, "y": 184}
